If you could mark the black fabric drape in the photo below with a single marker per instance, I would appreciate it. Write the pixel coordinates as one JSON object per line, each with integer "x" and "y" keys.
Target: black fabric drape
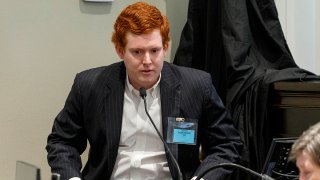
{"x": 241, "y": 43}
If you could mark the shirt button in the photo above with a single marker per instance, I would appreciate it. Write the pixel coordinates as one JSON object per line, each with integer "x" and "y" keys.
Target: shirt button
{"x": 136, "y": 162}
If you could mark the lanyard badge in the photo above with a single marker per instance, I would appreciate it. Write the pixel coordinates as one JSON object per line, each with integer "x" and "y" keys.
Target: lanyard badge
{"x": 182, "y": 130}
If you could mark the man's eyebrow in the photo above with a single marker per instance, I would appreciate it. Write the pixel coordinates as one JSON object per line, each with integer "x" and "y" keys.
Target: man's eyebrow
{"x": 148, "y": 48}
{"x": 134, "y": 49}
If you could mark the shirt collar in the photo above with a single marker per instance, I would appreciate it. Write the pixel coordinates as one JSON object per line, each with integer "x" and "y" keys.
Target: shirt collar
{"x": 153, "y": 91}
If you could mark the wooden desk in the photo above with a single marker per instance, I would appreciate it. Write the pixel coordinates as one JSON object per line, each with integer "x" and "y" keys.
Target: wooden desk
{"x": 294, "y": 106}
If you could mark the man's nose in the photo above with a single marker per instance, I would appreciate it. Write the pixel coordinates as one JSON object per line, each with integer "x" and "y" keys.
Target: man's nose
{"x": 146, "y": 58}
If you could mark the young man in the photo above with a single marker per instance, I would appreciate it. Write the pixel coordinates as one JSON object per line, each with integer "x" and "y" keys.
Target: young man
{"x": 104, "y": 107}
{"x": 306, "y": 152}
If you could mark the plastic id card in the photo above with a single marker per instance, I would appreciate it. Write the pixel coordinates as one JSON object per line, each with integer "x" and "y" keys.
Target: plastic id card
{"x": 182, "y": 130}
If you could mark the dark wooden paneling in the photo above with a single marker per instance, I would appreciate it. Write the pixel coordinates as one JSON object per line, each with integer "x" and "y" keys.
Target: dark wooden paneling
{"x": 294, "y": 106}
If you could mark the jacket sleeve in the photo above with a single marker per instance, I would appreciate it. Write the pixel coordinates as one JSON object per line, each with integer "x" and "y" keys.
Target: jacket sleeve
{"x": 68, "y": 140}
{"x": 220, "y": 140}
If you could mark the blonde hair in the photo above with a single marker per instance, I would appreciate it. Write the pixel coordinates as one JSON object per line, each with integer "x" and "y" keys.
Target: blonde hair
{"x": 308, "y": 142}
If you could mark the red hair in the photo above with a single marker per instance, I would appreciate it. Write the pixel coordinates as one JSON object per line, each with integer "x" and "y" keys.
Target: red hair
{"x": 140, "y": 18}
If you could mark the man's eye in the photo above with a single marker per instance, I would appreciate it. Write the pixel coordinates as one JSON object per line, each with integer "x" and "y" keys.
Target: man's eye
{"x": 155, "y": 50}
{"x": 137, "y": 51}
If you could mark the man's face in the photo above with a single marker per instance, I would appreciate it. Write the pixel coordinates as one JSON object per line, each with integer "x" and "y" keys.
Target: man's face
{"x": 309, "y": 169}
{"x": 143, "y": 57}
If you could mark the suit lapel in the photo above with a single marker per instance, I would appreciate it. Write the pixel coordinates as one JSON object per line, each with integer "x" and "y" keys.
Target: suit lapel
{"x": 170, "y": 105}
{"x": 113, "y": 105}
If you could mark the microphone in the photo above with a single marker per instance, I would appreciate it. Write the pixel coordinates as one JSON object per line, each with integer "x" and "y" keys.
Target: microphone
{"x": 262, "y": 176}
{"x": 143, "y": 94}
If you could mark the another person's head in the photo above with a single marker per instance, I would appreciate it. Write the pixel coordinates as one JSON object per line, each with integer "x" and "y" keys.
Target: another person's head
{"x": 141, "y": 39}
{"x": 306, "y": 152}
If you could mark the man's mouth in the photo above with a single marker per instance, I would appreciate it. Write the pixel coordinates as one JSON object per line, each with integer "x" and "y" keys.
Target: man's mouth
{"x": 146, "y": 71}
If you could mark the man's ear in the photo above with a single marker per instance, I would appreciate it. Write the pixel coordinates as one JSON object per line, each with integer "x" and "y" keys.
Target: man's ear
{"x": 120, "y": 51}
{"x": 165, "y": 49}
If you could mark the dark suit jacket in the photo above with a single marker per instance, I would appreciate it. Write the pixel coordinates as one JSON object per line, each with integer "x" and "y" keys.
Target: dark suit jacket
{"x": 93, "y": 112}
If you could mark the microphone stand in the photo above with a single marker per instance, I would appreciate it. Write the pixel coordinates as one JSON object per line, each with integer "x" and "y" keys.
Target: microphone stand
{"x": 143, "y": 94}
{"x": 262, "y": 176}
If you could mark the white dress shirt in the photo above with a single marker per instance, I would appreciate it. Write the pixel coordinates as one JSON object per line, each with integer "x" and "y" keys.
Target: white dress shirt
{"x": 141, "y": 154}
